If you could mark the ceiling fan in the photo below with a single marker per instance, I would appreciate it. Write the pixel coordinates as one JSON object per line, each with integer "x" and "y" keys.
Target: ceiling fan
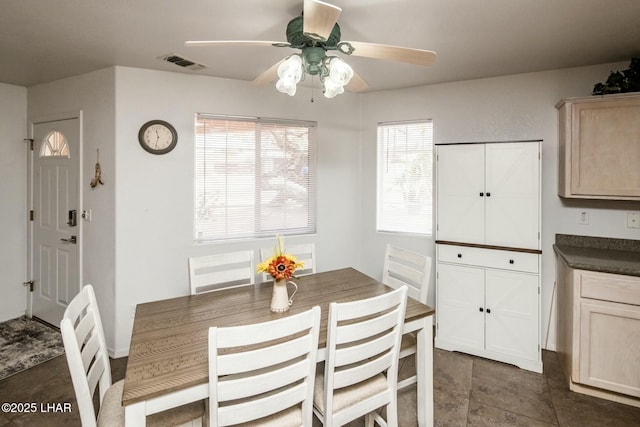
{"x": 316, "y": 33}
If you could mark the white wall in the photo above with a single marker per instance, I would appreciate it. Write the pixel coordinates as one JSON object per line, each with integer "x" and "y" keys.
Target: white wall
{"x": 93, "y": 94}
{"x": 13, "y": 201}
{"x": 137, "y": 245}
{"x": 514, "y": 107}
{"x": 154, "y": 198}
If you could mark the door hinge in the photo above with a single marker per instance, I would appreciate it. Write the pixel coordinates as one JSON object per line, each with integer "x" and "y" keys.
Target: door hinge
{"x": 30, "y": 283}
{"x": 30, "y": 141}
{"x": 32, "y": 215}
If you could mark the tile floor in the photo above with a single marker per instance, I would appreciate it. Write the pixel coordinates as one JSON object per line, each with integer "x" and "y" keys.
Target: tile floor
{"x": 469, "y": 391}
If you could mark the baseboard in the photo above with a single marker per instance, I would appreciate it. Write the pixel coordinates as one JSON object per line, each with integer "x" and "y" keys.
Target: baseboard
{"x": 12, "y": 315}
{"x": 117, "y": 354}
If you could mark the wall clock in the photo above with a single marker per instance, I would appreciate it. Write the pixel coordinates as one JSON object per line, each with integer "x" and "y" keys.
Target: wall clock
{"x": 158, "y": 137}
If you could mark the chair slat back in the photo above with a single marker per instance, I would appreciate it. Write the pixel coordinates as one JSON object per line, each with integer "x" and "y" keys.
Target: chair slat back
{"x": 405, "y": 267}
{"x": 363, "y": 341}
{"x": 304, "y": 252}
{"x": 212, "y": 272}
{"x": 86, "y": 352}
{"x": 258, "y": 370}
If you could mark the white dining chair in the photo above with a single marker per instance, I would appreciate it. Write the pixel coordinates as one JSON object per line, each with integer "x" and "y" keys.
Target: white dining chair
{"x": 305, "y": 252}
{"x": 405, "y": 267}
{"x": 220, "y": 271}
{"x": 262, "y": 374}
{"x": 361, "y": 366}
{"x": 86, "y": 351}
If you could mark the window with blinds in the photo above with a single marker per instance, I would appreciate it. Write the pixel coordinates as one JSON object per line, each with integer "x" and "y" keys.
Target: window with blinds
{"x": 405, "y": 184}
{"x": 254, "y": 177}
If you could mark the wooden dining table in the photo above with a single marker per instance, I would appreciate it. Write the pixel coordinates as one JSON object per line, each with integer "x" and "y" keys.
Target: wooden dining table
{"x": 168, "y": 364}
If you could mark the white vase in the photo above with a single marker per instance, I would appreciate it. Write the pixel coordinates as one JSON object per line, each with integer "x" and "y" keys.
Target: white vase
{"x": 280, "y": 299}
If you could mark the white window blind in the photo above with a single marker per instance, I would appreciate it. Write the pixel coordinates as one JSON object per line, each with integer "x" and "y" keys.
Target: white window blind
{"x": 405, "y": 184}
{"x": 253, "y": 177}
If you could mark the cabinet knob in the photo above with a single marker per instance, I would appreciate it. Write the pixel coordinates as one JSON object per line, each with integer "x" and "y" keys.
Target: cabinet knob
{"x": 488, "y": 194}
{"x": 511, "y": 261}
{"x": 459, "y": 255}
{"x": 481, "y": 309}
{"x": 481, "y": 194}
{"x": 488, "y": 310}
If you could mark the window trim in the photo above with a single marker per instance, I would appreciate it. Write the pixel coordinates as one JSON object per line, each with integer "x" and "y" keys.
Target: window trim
{"x": 379, "y": 158}
{"x": 258, "y": 233}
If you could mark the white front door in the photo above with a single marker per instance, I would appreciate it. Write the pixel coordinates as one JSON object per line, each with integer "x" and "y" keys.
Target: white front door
{"x": 55, "y": 234}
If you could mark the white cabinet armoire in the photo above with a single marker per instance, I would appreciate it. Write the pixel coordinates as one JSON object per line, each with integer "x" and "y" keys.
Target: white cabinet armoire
{"x": 488, "y": 250}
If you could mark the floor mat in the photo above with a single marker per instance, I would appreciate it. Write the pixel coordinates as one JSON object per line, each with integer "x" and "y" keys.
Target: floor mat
{"x": 25, "y": 343}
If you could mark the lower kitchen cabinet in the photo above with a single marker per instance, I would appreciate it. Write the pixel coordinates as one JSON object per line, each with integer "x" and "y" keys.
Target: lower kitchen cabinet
{"x": 487, "y": 307}
{"x": 599, "y": 332}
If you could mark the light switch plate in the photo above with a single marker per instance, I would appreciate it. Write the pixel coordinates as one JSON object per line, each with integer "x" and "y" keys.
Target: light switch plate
{"x": 633, "y": 219}
{"x": 583, "y": 218}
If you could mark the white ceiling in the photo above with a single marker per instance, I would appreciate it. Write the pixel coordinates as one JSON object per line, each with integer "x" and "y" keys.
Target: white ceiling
{"x": 45, "y": 40}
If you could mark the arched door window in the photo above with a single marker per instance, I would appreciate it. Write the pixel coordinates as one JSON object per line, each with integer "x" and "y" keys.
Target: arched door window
{"x": 54, "y": 145}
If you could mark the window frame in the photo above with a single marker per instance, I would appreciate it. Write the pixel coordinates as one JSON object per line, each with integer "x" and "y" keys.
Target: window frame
{"x": 258, "y": 231}
{"x": 383, "y": 226}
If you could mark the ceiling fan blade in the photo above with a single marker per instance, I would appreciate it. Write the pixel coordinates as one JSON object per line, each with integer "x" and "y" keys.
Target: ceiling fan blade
{"x": 319, "y": 18}
{"x": 394, "y": 53}
{"x": 357, "y": 84}
{"x": 268, "y": 76}
{"x": 235, "y": 42}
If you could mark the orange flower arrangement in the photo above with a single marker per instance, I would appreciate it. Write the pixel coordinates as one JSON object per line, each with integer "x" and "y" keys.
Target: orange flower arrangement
{"x": 281, "y": 265}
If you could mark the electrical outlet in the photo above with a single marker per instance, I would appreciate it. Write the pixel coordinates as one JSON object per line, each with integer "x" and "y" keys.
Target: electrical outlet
{"x": 633, "y": 219}
{"x": 583, "y": 218}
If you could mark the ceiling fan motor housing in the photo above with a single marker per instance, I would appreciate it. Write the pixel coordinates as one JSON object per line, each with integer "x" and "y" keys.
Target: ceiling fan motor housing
{"x": 298, "y": 39}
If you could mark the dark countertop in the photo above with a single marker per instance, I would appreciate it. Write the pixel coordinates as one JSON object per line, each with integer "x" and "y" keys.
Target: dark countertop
{"x": 607, "y": 255}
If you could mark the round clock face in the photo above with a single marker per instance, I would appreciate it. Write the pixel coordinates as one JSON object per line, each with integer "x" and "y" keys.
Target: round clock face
{"x": 157, "y": 137}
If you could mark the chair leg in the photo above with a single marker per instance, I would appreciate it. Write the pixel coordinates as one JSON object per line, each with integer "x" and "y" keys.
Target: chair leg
{"x": 368, "y": 420}
{"x": 392, "y": 414}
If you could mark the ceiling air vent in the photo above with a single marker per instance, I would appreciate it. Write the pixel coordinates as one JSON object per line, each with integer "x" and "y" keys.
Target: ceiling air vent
{"x": 181, "y": 61}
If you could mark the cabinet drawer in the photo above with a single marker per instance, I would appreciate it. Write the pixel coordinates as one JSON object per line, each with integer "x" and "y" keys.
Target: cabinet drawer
{"x": 492, "y": 258}
{"x": 610, "y": 287}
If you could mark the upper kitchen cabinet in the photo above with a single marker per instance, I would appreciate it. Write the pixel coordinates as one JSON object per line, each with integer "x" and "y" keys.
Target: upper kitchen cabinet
{"x": 599, "y": 147}
{"x": 489, "y": 194}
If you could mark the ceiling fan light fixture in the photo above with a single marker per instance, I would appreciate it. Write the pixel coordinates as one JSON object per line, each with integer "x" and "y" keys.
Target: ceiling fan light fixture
{"x": 339, "y": 71}
{"x": 337, "y": 75}
{"x": 290, "y": 72}
{"x": 332, "y": 88}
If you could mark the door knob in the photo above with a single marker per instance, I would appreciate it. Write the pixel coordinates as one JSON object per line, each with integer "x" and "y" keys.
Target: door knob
{"x": 71, "y": 239}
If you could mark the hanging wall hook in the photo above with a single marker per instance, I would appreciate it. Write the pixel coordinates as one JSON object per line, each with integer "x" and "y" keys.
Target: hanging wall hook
{"x": 97, "y": 179}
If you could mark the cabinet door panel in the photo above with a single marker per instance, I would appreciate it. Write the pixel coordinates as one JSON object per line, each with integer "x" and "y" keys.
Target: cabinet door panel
{"x": 512, "y": 180}
{"x": 609, "y": 346}
{"x": 460, "y": 180}
{"x": 605, "y": 148}
{"x": 512, "y": 313}
{"x": 460, "y": 297}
